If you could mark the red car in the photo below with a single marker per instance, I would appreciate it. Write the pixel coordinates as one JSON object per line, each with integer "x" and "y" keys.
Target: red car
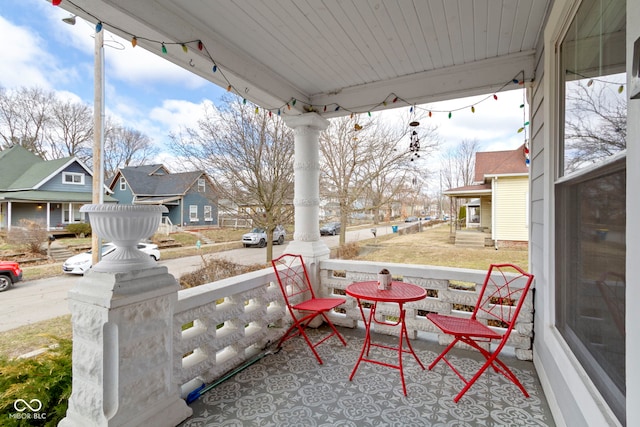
{"x": 10, "y": 272}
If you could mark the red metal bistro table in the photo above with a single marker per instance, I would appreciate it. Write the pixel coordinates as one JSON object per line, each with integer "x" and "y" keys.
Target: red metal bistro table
{"x": 399, "y": 292}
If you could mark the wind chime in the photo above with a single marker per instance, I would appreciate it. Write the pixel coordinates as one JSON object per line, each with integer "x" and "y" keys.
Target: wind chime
{"x": 414, "y": 145}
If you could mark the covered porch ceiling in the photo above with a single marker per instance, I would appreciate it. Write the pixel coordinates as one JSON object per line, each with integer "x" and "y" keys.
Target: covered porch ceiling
{"x": 335, "y": 57}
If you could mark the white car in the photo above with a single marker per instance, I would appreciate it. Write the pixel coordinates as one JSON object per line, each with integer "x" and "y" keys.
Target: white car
{"x": 258, "y": 237}
{"x": 79, "y": 264}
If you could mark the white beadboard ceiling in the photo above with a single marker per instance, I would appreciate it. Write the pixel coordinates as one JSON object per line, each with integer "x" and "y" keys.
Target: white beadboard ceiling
{"x": 355, "y": 54}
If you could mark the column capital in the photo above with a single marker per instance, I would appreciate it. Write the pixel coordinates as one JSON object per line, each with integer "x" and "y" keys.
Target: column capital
{"x": 312, "y": 120}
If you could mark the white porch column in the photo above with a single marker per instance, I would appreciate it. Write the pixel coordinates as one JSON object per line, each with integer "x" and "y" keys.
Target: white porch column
{"x": 306, "y": 166}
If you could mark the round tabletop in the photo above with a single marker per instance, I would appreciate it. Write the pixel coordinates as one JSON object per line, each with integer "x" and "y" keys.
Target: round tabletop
{"x": 397, "y": 292}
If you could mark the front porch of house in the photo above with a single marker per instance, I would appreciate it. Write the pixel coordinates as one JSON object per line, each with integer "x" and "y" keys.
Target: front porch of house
{"x": 289, "y": 387}
{"x": 169, "y": 349}
{"x": 232, "y": 326}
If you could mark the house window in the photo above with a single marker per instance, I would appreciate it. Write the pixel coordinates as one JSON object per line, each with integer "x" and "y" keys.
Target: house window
{"x": 208, "y": 213}
{"x": 73, "y": 178}
{"x": 201, "y": 185}
{"x": 193, "y": 213}
{"x": 123, "y": 183}
{"x": 590, "y": 195}
{"x": 71, "y": 213}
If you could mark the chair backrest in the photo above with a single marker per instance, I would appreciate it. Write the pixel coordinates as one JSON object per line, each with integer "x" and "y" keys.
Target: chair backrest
{"x": 502, "y": 295}
{"x": 293, "y": 278}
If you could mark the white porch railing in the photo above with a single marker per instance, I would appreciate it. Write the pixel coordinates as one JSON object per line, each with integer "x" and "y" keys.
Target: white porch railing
{"x": 221, "y": 325}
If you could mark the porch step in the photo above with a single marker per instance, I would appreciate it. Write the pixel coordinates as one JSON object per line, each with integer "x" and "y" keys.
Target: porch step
{"x": 470, "y": 239}
{"x": 60, "y": 253}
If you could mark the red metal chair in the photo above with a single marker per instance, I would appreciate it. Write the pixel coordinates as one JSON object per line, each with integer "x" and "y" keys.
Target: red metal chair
{"x": 301, "y": 300}
{"x": 500, "y": 301}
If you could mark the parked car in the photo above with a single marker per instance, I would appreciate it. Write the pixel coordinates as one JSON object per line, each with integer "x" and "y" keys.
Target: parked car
{"x": 258, "y": 237}
{"x": 79, "y": 264}
{"x": 411, "y": 219}
{"x": 330, "y": 229}
{"x": 10, "y": 273}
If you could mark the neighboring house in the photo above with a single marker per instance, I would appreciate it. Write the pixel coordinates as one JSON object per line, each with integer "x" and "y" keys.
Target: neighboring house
{"x": 47, "y": 191}
{"x": 189, "y": 196}
{"x": 499, "y": 195}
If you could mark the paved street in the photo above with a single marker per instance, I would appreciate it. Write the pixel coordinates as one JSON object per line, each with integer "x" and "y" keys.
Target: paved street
{"x": 36, "y": 300}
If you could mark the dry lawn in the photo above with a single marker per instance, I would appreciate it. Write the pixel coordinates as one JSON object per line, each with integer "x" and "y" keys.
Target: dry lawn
{"x": 432, "y": 247}
{"x": 31, "y": 337}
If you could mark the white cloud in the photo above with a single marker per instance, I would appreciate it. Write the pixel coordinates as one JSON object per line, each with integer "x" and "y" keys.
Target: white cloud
{"x": 176, "y": 113}
{"x": 24, "y": 62}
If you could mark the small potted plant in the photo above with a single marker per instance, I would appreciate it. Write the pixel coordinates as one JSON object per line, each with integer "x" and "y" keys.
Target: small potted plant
{"x": 384, "y": 279}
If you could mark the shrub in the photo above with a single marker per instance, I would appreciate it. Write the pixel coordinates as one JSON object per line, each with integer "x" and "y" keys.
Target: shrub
{"x": 80, "y": 229}
{"x": 348, "y": 251}
{"x": 46, "y": 377}
{"x": 30, "y": 234}
{"x": 215, "y": 269}
{"x": 463, "y": 213}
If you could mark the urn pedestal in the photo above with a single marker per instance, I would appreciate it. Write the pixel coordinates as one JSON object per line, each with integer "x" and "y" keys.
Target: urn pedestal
{"x": 122, "y": 317}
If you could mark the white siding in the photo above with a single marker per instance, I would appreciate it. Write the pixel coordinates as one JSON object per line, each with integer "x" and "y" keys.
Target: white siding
{"x": 573, "y": 398}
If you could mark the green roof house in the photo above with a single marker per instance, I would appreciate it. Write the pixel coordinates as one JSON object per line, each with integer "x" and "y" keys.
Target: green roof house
{"x": 47, "y": 191}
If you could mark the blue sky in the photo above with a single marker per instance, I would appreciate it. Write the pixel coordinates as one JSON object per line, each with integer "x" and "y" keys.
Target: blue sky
{"x": 148, "y": 93}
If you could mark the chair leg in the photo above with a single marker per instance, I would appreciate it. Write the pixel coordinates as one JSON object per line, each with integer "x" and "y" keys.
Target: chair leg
{"x": 444, "y": 352}
{"x": 335, "y": 331}
{"x": 491, "y": 360}
{"x": 300, "y": 327}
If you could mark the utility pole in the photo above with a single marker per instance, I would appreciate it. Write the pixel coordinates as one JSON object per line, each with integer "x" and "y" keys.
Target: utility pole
{"x": 98, "y": 134}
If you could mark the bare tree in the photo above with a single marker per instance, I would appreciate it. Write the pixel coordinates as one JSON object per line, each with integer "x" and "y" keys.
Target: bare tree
{"x": 125, "y": 146}
{"x": 249, "y": 155}
{"x": 71, "y": 131}
{"x": 24, "y": 115}
{"x": 596, "y": 122}
{"x": 458, "y": 164}
{"x": 363, "y": 160}
{"x": 396, "y": 173}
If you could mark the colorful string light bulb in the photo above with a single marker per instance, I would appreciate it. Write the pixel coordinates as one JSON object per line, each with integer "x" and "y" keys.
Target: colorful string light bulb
{"x": 98, "y": 27}
{"x": 185, "y": 49}
{"x": 164, "y": 49}
{"x": 134, "y": 41}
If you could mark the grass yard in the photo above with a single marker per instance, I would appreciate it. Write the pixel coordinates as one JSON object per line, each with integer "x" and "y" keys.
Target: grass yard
{"x": 432, "y": 247}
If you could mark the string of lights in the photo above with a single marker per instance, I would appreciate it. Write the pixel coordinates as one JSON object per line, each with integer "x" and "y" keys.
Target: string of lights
{"x": 197, "y": 44}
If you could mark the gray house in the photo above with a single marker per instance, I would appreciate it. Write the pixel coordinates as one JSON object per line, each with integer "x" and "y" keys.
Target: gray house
{"x": 189, "y": 196}
{"x": 50, "y": 192}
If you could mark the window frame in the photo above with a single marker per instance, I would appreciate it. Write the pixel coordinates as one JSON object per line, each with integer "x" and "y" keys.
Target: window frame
{"x": 73, "y": 175}
{"x": 563, "y": 226}
{"x": 193, "y": 213}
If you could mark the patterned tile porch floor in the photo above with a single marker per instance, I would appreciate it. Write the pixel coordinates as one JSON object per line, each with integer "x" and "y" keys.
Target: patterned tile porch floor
{"x": 289, "y": 388}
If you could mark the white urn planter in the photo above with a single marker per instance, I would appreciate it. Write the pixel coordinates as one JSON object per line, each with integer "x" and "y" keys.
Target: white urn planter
{"x": 124, "y": 226}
